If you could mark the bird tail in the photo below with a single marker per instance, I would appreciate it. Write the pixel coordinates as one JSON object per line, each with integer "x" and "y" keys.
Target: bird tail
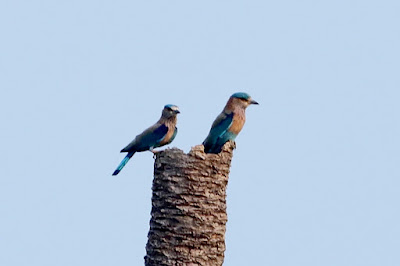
{"x": 123, "y": 163}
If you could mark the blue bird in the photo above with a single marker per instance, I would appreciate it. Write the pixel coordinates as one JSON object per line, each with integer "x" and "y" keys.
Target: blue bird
{"x": 229, "y": 123}
{"x": 161, "y": 133}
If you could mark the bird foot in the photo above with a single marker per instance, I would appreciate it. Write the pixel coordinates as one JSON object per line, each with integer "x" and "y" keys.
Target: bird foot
{"x": 233, "y": 143}
{"x": 154, "y": 153}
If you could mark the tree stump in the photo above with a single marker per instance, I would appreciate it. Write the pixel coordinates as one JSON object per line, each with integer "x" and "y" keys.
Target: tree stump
{"x": 188, "y": 216}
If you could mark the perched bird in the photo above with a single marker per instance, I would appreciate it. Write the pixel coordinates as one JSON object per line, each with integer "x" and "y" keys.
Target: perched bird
{"x": 229, "y": 123}
{"x": 161, "y": 133}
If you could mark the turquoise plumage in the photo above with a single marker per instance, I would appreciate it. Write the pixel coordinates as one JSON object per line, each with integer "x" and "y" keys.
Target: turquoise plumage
{"x": 229, "y": 123}
{"x": 161, "y": 133}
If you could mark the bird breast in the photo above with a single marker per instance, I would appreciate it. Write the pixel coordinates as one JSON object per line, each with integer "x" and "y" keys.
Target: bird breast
{"x": 237, "y": 122}
{"x": 168, "y": 136}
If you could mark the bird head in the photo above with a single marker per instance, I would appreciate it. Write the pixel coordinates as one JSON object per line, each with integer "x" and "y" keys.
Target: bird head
{"x": 170, "y": 110}
{"x": 242, "y": 99}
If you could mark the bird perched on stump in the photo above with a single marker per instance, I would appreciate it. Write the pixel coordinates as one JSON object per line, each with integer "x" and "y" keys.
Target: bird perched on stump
{"x": 229, "y": 123}
{"x": 161, "y": 133}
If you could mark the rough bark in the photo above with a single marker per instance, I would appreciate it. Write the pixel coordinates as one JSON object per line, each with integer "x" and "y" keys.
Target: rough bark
{"x": 188, "y": 216}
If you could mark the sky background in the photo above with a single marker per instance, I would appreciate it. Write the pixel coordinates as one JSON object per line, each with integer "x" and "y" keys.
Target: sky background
{"x": 315, "y": 178}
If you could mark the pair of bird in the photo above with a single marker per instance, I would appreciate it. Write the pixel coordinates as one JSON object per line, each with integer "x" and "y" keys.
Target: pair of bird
{"x": 225, "y": 127}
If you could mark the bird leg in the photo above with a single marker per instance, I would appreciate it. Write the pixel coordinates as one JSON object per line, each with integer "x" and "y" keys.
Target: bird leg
{"x": 154, "y": 152}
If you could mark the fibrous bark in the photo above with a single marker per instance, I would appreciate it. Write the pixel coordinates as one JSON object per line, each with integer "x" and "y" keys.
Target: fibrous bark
{"x": 188, "y": 216}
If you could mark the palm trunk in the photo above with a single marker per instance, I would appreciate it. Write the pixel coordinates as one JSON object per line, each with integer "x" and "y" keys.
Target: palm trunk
{"x": 188, "y": 216}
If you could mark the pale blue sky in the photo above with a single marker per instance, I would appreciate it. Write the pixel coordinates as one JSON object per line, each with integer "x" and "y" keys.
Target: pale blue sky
{"x": 315, "y": 176}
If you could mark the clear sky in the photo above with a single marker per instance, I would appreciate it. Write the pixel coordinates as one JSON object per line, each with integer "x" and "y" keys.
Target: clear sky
{"x": 315, "y": 178}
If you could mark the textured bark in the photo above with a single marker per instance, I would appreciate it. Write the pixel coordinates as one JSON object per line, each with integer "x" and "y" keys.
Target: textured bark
{"x": 188, "y": 216}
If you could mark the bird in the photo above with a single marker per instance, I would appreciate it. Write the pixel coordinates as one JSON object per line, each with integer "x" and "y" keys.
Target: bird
{"x": 161, "y": 133}
{"x": 229, "y": 123}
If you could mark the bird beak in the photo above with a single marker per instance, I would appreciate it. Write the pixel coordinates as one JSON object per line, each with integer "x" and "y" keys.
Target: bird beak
{"x": 177, "y": 112}
{"x": 253, "y": 102}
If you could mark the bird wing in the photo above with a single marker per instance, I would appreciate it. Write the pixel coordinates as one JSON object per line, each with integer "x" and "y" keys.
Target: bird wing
{"x": 218, "y": 128}
{"x": 147, "y": 139}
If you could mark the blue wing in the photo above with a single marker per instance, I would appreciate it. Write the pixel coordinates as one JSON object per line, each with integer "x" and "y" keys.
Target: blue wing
{"x": 150, "y": 138}
{"x": 219, "y": 133}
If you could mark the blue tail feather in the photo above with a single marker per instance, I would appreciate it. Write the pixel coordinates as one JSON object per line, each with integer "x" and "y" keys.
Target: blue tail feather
{"x": 123, "y": 163}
